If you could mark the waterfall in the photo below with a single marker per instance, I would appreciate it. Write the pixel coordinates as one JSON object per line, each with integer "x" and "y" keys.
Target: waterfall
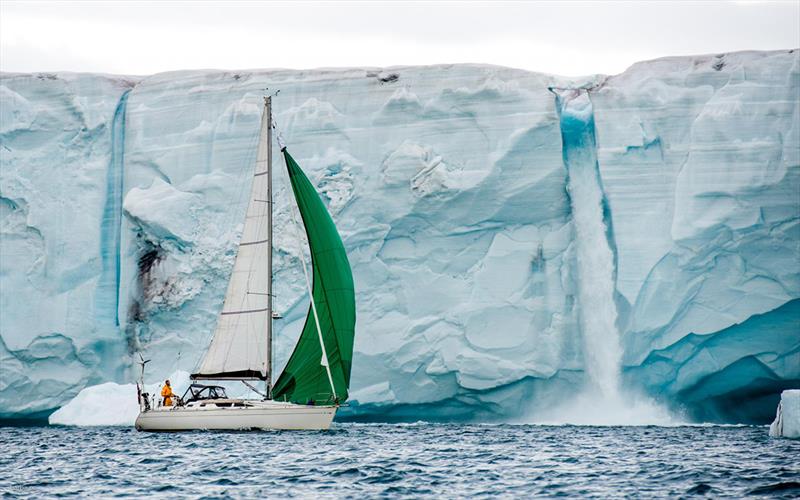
{"x": 602, "y": 401}
{"x": 598, "y": 312}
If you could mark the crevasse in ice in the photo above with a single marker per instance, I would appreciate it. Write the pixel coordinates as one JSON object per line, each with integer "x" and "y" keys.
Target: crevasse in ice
{"x": 121, "y": 199}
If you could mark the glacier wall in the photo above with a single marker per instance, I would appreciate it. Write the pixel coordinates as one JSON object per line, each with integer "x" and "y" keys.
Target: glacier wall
{"x": 121, "y": 200}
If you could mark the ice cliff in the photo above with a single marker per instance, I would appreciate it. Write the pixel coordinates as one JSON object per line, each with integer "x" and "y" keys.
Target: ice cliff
{"x": 485, "y": 290}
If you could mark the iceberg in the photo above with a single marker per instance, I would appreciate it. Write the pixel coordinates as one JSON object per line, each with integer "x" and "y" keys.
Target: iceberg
{"x": 121, "y": 199}
{"x": 787, "y": 419}
{"x": 111, "y": 404}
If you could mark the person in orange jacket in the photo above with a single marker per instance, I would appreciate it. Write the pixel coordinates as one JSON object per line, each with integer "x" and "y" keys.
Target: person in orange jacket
{"x": 167, "y": 394}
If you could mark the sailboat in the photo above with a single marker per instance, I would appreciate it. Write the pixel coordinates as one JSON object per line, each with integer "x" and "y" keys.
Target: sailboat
{"x": 315, "y": 381}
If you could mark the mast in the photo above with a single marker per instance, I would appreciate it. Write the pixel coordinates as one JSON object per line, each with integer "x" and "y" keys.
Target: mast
{"x": 268, "y": 360}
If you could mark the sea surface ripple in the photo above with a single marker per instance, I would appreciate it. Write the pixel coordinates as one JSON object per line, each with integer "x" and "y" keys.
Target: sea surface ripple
{"x": 414, "y": 460}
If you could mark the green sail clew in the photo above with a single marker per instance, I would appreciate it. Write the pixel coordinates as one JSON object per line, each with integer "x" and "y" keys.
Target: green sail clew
{"x": 305, "y": 379}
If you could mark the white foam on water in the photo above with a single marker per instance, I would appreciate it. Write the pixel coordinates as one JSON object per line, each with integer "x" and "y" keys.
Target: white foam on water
{"x": 588, "y": 408}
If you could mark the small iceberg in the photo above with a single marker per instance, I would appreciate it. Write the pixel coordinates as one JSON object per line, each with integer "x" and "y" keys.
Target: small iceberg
{"x": 110, "y": 403}
{"x": 787, "y": 420}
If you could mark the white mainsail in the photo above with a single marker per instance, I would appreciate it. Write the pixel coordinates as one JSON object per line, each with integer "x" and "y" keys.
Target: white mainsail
{"x": 240, "y": 348}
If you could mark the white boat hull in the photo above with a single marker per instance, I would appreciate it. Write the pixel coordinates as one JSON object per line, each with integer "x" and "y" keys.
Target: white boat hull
{"x": 266, "y": 415}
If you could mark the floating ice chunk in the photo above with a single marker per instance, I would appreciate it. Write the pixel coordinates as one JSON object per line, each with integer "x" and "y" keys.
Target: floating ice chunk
{"x": 110, "y": 403}
{"x": 787, "y": 420}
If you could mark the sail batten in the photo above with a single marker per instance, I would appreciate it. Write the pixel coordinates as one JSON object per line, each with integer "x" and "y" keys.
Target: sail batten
{"x": 249, "y": 311}
{"x": 259, "y": 242}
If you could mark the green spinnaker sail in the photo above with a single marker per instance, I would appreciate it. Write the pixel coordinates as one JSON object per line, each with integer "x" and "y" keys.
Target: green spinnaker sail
{"x": 305, "y": 378}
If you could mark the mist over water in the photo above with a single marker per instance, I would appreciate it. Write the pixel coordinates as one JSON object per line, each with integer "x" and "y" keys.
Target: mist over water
{"x": 602, "y": 401}
{"x": 621, "y": 408}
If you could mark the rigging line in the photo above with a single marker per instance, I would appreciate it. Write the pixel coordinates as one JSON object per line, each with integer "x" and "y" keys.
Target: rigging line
{"x": 254, "y": 389}
{"x": 278, "y": 135}
{"x": 313, "y": 305}
{"x": 177, "y": 364}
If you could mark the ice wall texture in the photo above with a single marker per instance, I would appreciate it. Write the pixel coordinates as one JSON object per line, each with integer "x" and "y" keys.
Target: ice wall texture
{"x": 57, "y": 328}
{"x": 122, "y": 200}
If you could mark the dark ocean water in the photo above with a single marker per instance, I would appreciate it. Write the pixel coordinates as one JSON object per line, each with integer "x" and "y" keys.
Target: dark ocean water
{"x": 417, "y": 460}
